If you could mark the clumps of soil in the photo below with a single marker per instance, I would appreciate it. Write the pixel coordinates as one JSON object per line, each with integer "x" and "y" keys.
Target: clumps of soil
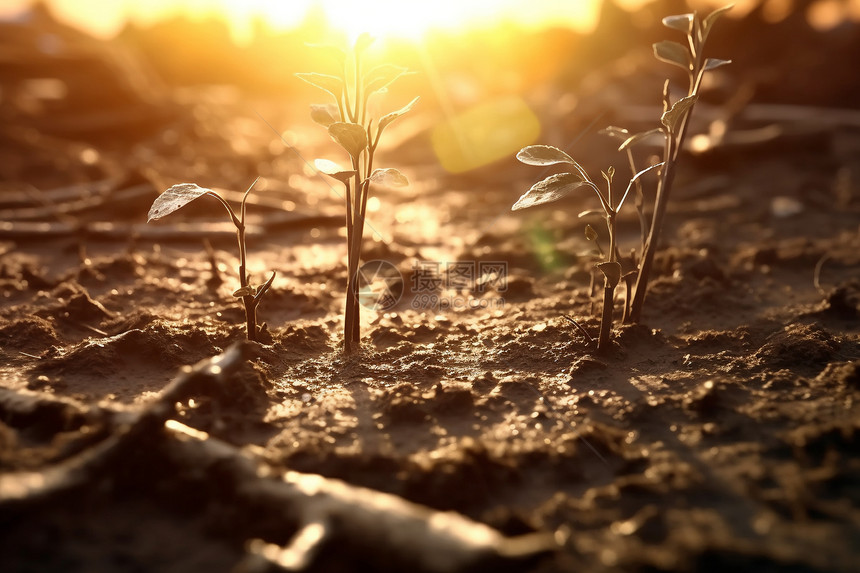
{"x": 33, "y": 335}
{"x": 801, "y": 347}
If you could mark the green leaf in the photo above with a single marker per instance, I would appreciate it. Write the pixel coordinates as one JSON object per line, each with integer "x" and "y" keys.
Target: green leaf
{"x": 350, "y": 136}
{"x": 325, "y": 114}
{"x": 551, "y": 189}
{"x": 611, "y": 271}
{"x": 672, "y": 118}
{"x": 710, "y": 19}
{"x": 175, "y": 198}
{"x": 682, "y": 22}
{"x": 331, "y": 84}
{"x": 334, "y": 170}
{"x": 673, "y": 53}
{"x": 381, "y": 77}
{"x": 714, "y": 63}
{"x": 636, "y": 138}
{"x": 544, "y": 155}
{"x": 390, "y": 117}
{"x": 390, "y": 177}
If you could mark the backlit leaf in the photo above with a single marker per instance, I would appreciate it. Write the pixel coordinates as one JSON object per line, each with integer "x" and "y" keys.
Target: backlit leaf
{"x": 673, "y": 53}
{"x": 681, "y": 22}
{"x": 175, "y": 198}
{"x": 615, "y": 131}
{"x": 637, "y": 137}
{"x": 325, "y": 114}
{"x": 672, "y": 118}
{"x": 612, "y": 271}
{"x": 350, "y": 136}
{"x": 552, "y": 188}
{"x": 382, "y": 76}
{"x": 391, "y": 177}
{"x": 331, "y": 84}
{"x": 543, "y": 155}
{"x": 390, "y": 117}
{"x": 710, "y": 19}
{"x": 590, "y": 233}
{"x": 246, "y": 290}
{"x": 332, "y": 169}
{"x": 714, "y": 63}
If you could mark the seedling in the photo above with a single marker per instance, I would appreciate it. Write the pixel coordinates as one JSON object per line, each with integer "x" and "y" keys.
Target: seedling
{"x": 673, "y": 128}
{"x": 350, "y": 124}
{"x": 180, "y": 195}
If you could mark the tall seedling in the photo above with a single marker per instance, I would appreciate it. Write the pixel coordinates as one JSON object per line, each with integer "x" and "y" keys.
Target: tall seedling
{"x": 350, "y": 124}
{"x": 673, "y": 128}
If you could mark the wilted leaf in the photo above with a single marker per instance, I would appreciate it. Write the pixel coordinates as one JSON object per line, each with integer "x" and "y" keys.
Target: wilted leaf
{"x": 175, "y": 198}
{"x": 350, "y": 136}
{"x": 550, "y": 189}
{"x": 612, "y": 271}
{"x": 673, "y": 53}
{"x": 381, "y": 76}
{"x": 391, "y": 177}
{"x": 636, "y": 138}
{"x": 710, "y": 19}
{"x": 714, "y": 63}
{"x": 390, "y": 117}
{"x": 332, "y": 169}
{"x": 331, "y": 84}
{"x": 676, "y": 113}
{"x": 325, "y": 114}
{"x": 681, "y": 22}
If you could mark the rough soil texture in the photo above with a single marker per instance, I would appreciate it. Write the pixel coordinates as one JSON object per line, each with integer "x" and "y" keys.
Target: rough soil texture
{"x": 716, "y": 435}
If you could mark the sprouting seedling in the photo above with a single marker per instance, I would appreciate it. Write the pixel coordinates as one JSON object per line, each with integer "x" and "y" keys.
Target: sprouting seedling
{"x": 673, "y": 127}
{"x": 350, "y": 125}
{"x": 561, "y": 185}
{"x": 180, "y": 195}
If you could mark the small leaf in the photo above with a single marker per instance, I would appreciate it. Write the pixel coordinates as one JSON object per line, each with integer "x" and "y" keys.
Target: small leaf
{"x": 636, "y": 138}
{"x": 677, "y": 112}
{"x": 350, "y": 136}
{"x": 714, "y": 63}
{"x": 543, "y": 155}
{"x": 611, "y": 271}
{"x": 682, "y": 22}
{"x": 381, "y": 77}
{"x": 590, "y": 212}
{"x": 390, "y": 117}
{"x": 246, "y": 290}
{"x": 590, "y": 233}
{"x": 615, "y": 131}
{"x": 325, "y": 114}
{"x": 331, "y": 84}
{"x": 362, "y": 43}
{"x": 710, "y": 19}
{"x": 673, "y": 53}
{"x": 550, "y": 189}
{"x": 175, "y": 198}
{"x": 332, "y": 169}
{"x": 390, "y": 177}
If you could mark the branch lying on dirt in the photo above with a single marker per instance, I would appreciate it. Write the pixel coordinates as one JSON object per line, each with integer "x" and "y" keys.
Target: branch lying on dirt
{"x": 381, "y": 527}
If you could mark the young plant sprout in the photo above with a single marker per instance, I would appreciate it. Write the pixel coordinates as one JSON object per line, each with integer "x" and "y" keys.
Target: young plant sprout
{"x": 351, "y": 125}
{"x": 673, "y": 128}
{"x": 180, "y": 195}
{"x": 560, "y": 185}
